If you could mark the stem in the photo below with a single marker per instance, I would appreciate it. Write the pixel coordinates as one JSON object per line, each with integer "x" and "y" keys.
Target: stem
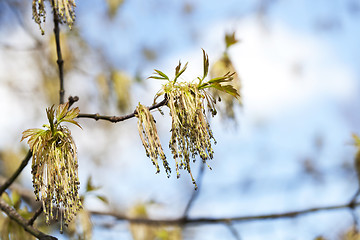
{"x": 15, "y": 216}
{"x": 116, "y": 119}
{"x": 210, "y": 220}
{"x": 16, "y": 173}
{"x": 60, "y": 60}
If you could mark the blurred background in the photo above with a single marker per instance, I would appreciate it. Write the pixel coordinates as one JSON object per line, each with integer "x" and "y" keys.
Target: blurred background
{"x": 288, "y": 147}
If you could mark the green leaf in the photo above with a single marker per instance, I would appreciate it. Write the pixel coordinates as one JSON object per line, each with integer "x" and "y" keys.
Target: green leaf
{"x": 30, "y": 132}
{"x": 50, "y": 115}
{"x": 178, "y": 72}
{"x": 103, "y": 199}
{"x": 16, "y": 199}
{"x": 6, "y": 198}
{"x": 161, "y": 76}
{"x": 230, "y": 39}
{"x": 61, "y": 111}
{"x": 227, "y": 89}
{"x": 89, "y": 186}
{"x": 73, "y": 122}
{"x": 226, "y": 78}
{"x": 206, "y": 64}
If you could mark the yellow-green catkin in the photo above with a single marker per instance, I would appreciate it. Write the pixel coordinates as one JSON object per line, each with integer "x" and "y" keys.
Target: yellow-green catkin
{"x": 150, "y": 139}
{"x": 55, "y": 165}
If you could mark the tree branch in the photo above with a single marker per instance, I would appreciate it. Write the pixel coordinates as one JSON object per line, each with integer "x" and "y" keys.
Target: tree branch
{"x": 206, "y": 220}
{"x": 16, "y": 173}
{"x": 15, "y": 216}
{"x": 60, "y": 60}
{"x": 115, "y": 119}
{"x": 195, "y": 193}
{"x": 35, "y": 216}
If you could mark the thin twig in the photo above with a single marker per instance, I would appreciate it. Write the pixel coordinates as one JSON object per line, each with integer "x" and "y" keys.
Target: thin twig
{"x": 16, "y": 173}
{"x": 209, "y": 220}
{"x": 35, "y": 216}
{"x": 233, "y": 231}
{"x": 14, "y": 215}
{"x": 60, "y": 60}
{"x": 72, "y": 100}
{"x": 195, "y": 193}
{"x": 115, "y": 119}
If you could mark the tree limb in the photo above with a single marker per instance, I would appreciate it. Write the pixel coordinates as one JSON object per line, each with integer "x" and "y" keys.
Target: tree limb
{"x": 195, "y": 193}
{"x": 60, "y": 60}
{"x": 35, "y": 216}
{"x": 23, "y": 164}
{"x": 208, "y": 220}
{"x": 115, "y": 119}
{"x": 15, "y": 216}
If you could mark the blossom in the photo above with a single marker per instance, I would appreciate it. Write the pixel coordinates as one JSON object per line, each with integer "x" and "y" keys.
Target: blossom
{"x": 64, "y": 10}
{"x": 55, "y": 164}
{"x": 150, "y": 139}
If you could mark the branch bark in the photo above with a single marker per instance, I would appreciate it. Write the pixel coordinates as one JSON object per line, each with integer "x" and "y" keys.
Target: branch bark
{"x": 16, "y": 173}
{"x": 206, "y": 220}
{"x": 115, "y": 119}
{"x": 60, "y": 60}
{"x": 15, "y": 216}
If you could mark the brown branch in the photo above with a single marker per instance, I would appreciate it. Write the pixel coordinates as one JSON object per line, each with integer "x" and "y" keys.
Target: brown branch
{"x": 115, "y": 119}
{"x": 23, "y": 164}
{"x": 207, "y": 220}
{"x": 35, "y": 216}
{"x": 60, "y": 60}
{"x": 233, "y": 231}
{"x": 15, "y": 216}
{"x": 195, "y": 193}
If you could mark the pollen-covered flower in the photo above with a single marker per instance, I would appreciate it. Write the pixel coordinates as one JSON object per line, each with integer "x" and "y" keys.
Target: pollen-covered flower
{"x": 64, "y": 9}
{"x": 55, "y": 164}
{"x": 150, "y": 139}
{"x": 191, "y": 134}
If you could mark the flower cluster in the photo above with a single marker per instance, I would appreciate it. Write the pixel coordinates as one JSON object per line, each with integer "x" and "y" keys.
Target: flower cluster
{"x": 55, "y": 164}
{"x": 190, "y": 131}
{"x": 149, "y": 138}
{"x": 191, "y": 134}
{"x": 64, "y": 9}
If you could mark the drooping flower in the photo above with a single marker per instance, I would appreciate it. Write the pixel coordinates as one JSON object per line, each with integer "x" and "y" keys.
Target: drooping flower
{"x": 150, "y": 139}
{"x": 55, "y": 164}
{"x": 64, "y": 9}
{"x": 191, "y": 134}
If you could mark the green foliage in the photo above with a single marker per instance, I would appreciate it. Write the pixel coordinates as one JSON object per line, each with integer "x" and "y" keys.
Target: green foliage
{"x": 227, "y": 94}
{"x": 54, "y": 164}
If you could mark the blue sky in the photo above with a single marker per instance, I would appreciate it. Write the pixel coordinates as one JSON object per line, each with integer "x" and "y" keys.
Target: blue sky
{"x": 298, "y": 65}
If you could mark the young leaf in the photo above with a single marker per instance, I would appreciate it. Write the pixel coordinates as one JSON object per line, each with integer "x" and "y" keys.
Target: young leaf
{"x": 206, "y": 64}
{"x": 230, "y": 39}
{"x": 178, "y": 72}
{"x": 162, "y": 76}
{"x": 89, "y": 186}
{"x": 61, "y": 111}
{"x": 103, "y": 199}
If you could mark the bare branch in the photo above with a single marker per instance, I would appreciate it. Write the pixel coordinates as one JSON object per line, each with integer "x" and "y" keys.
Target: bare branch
{"x": 233, "y": 231}
{"x": 195, "y": 193}
{"x": 14, "y": 215}
{"x": 23, "y": 164}
{"x": 35, "y": 216}
{"x": 115, "y": 119}
{"x": 60, "y": 60}
{"x": 208, "y": 220}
